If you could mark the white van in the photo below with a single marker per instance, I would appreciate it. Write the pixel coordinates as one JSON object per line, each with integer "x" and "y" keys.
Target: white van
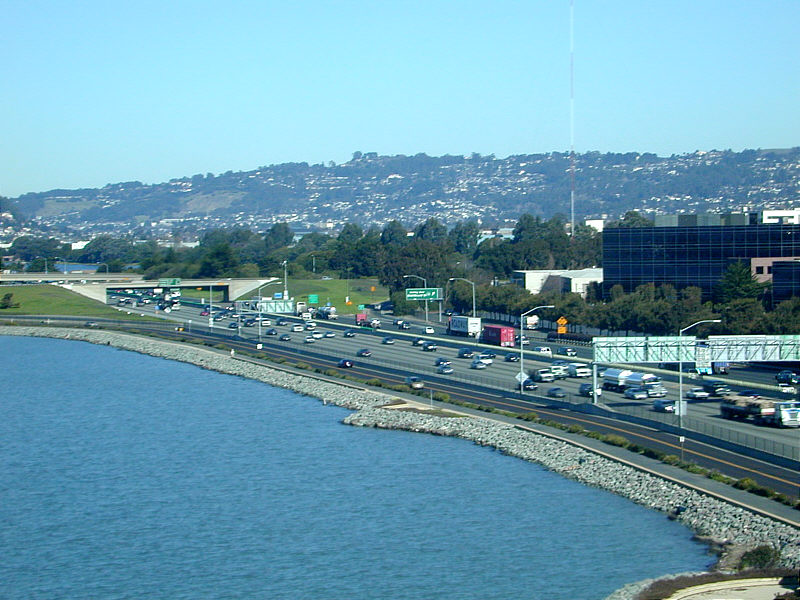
{"x": 578, "y": 370}
{"x": 542, "y": 350}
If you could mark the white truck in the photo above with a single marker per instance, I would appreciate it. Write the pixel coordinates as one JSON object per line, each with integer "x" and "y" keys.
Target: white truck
{"x": 761, "y": 410}
{"x": 327, "y": 312}
{"x": 618, "y": 380}
{"x": 466, "y": 326}
{"x": 543, "y": 375}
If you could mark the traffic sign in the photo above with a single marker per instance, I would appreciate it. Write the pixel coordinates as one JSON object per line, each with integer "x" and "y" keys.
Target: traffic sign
{"x": 520, "y": 377}
{"x": 561, "y": 329}
{"x": 562, "y": 321}
{"x": 424, "y": 294}
{"x": 313, "y": 298}
{"x": 169, "y": 281}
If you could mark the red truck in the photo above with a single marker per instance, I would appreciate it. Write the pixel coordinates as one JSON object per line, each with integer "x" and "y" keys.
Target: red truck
{"x": 499, "y": 335}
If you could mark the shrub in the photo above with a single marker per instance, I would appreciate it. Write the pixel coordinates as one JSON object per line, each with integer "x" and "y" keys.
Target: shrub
{"x": 441, "y": 396}
{"x": 616, "y": 440}
{"x": 761, "y": 557}
{"x": 576, "y": 429}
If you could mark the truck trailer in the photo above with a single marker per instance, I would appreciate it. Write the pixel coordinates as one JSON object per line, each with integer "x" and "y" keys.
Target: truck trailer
{"x": 618, "y": 380}
{"x": 466, "y": 326}
{"x": 761, "y": 410}
{"x": 498, "y": 335}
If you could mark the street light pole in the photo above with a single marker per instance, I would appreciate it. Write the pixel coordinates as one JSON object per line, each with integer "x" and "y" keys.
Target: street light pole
{"x": 259, "y": 304}
{"x": 681, "y": 404}
{"x": 425, "y": 284}
{"x": 521, "y": 347}
{"x": 472, "y": 283}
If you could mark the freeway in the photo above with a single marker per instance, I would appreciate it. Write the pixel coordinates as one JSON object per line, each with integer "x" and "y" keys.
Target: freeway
{"x": 496, "y": 387}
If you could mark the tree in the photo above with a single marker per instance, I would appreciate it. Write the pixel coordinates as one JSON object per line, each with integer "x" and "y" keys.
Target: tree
{"x": 738, "y": 282}
{"x": 278, "y": 236}
{"x": 8, "y": 301}
{"x": 394, "y": 234}
{"x": 464, "y": 237}
{"x": 632, "y": 218}
{"x": 220, "y": 261}
{"x": 432, "y": 231}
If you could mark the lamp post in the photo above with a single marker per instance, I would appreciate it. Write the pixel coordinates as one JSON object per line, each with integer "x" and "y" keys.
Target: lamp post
{"x": 681, "y": 404}
{"x": 285, "y": 280}
{"x": 424, "y": 284}
{"x": 472, "y": 283}
{"x": 521, "y": 347}
{"x": 98, "y": 266}
{"x": 259, "y": 304}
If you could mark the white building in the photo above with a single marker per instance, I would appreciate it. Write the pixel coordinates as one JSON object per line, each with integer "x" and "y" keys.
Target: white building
{"x": 559, "y": 280}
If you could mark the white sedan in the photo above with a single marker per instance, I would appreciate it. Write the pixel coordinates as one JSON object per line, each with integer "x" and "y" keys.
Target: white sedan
{"x": 697, "y": 393}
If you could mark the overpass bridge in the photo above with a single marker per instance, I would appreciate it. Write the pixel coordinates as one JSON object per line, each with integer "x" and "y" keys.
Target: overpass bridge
{"x": 96, "y": 285}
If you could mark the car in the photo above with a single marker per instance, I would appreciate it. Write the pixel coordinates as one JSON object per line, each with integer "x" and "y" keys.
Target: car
{"x": 664, "y": 405}
{"x": 272, "y": 331}
{"x": 317, "y": 335}
{"x": 91, "y": 324}
{"x": 697, "y": 393}
{"x": 281, "y": 322}
{"x": 477, "y": 364}
{"x": 309, "y": 339}
{"x": 556, "y": 392}
{"x": 310, "y": 325}
{"x": 441, "y": 360}
{"x": 542, "y": 350}
{"x": 349, "y": 333}
{"x": 787, "y": 376}
{"x": 567, "y": 351}
{"x": 387, "y": 340}
{"x": 486, "y": 357}
{"x": 297, "y": 327}
{"x": 444, "y": 369}
{"x": 585, "y": 389}
{"x": 397, "y": 322}
{"x": 529, "y": 385}
{"x": 525, "y": 340}
{"x": 750, "y": 393}
{"x": 465, "y": 353}
{"x": 330, "y": 334}
{"x": 429, "y": 347}
{"x": 414, "y": 382}
{"x": 250, "y": 323}
{"x": 325, "y": 277}
{"x": 785, "y": 388}
{"x": 366, "y": 352}
{"x": 204, "y": 313}
{"x": 265, "y": 322}
{"x": 635, "y": 393}
{"x": 417, "y": 341}
{"x": 429, "y": 330}
{"x": 404, "y": 325}
{"x": 345, "y": 363}
{"x": 233, "y": 325}
{"x": 285, "y": 337}
{"x": 511, "y": 357}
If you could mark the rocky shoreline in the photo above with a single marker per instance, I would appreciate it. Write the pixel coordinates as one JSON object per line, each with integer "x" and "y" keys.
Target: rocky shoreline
{"x": 711, "y": 519}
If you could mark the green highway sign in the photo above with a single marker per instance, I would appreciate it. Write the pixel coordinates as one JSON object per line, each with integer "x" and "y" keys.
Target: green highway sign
{"x": 424, "y": 294}
{"x": 313, "y": 298}
{"x": 361, "y": 306}
{"x": 168, "y": 282}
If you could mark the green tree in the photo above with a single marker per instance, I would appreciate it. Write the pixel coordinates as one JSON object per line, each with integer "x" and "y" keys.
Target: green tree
{"x": 632, "y": 218}
{"x": 464, "y": 237}
{"x": 279, "y": 235}
{"x": 738, "y": 282}
{"x": 220, "y": 261}
{"x": 7, "y": 301}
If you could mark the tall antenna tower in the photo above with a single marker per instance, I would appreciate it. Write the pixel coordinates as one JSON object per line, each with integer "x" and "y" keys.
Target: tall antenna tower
{"x": 572, "y": 118}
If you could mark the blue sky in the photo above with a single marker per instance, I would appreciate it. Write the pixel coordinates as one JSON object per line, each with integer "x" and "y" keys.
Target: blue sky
{"x": 102, "y": 92}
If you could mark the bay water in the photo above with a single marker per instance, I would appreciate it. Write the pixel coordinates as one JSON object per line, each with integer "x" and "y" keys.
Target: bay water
{"x": 128, "y": 476}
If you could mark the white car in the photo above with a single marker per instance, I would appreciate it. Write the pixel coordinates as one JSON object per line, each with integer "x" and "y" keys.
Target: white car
{"x": 636, "y": 393}
{"x": 317, "y": 335}
{"x": 429, "y": 329}
{"x": 297, "y": 327}
{"x": 309, "y": 340}
{"x": 543, "y": 350}
{"x": 477, "y": 364}
{"x": 697, "y": 393}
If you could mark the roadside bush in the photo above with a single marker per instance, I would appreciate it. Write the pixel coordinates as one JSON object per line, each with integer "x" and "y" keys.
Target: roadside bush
{"x": 576, "y": 429}
{"x": 441, "y": 396}
{"x": 616, "y": 440}
{"x": 762, "y": 557}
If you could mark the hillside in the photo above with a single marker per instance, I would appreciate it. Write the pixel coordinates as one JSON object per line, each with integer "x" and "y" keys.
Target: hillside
{"x": 374, "y": 189}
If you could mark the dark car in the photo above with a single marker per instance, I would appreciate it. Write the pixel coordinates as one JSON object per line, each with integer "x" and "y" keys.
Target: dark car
{"x": 417, "y": 341}
{"x": 465, "y": 353}
{"x": 404, "y": 325}
{"x": 529, "y": 384}
{"x": 330, "y": 334}
{"x": 345, "y": 363}
{"x": 511, "y": 357}
{"x": 204, "y": 313}
{"x": 233, "y": 325}
{"x": 281, "y": 322}
{"x": 429, "y": 347}
{"x": 441, "y": 361}
{"x": 285, "y": 337}
{"x": 387, "y": 340}
{"x": 364, "y": 352}
{"x": 349, "y": 333}
{"x": 787, "y": 376}
{"x": 567, "y": 351}
{"x": 250, "y": 323}
{"x": 272, "y": 331}
{"x": 556, "y": 392}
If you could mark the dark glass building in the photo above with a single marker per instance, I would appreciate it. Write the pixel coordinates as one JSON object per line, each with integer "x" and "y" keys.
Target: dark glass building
{"x": 699, "y": 255}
